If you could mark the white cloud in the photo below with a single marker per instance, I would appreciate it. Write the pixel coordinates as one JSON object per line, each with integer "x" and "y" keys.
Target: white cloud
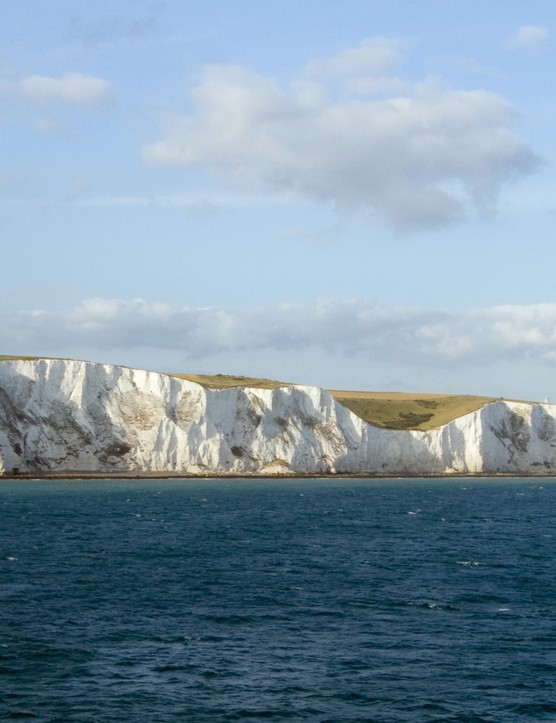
{"x": 421, "y": 157}
{"x": 71, "y": 88}
{"x": 531, "y": 36}
{"x": 354, "y": 329}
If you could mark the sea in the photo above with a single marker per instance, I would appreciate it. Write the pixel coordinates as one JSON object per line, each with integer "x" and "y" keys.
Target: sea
{"x": 331, "y": 600}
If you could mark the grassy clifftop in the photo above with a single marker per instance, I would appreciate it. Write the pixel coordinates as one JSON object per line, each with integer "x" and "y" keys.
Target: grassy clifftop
{"x": 227, "y": 381}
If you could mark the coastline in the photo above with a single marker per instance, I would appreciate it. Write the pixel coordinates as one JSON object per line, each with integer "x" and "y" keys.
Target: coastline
{"x": 129, "y": 422}
{"x": 169, "y": 475}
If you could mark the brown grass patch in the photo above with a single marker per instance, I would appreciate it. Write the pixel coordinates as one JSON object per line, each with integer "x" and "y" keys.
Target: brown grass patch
{"x": 227, "y": 381}
{"x": 401, "y": 410}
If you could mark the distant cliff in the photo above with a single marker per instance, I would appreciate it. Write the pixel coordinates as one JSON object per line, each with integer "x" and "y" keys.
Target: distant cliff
{"x": 73, "y": 416}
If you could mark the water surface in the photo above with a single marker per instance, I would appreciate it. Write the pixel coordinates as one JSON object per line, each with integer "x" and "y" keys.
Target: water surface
{"x": 290, "y": 600}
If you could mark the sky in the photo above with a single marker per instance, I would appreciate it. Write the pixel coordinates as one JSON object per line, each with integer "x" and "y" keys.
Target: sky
{"x": 355, "y": 195}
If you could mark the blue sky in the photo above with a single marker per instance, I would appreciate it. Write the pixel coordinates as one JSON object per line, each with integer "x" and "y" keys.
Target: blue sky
{"x": 353, "y": 195}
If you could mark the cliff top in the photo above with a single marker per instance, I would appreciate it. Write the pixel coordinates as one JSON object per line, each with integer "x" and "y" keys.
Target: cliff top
{"x": 389, "y": 410}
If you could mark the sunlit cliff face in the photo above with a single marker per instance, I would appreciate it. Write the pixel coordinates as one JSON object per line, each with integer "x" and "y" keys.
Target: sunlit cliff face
{"x": 63, "y": 415}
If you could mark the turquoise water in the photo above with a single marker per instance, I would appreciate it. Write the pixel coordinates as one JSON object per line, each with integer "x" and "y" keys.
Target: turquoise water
{"x": 214, "y": 600}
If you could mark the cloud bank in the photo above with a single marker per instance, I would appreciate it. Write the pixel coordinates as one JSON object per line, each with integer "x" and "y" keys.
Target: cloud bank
{"x": 348, "y": 130}
{"x": 351, "y": 328}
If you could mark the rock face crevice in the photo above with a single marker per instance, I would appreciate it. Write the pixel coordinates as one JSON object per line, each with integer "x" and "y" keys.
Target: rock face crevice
{"x": 74, "y": 416}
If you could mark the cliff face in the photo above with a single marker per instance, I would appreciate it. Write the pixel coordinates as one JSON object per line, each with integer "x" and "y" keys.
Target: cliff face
{"x": 76, "y": 416}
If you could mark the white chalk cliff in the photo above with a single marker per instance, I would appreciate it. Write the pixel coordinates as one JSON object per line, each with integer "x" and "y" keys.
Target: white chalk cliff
{"x": 64, "y": 416}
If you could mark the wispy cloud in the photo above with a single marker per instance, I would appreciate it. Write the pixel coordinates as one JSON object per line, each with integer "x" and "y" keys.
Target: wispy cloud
{"x": 72, "y": 88}
{"x": 531, "y": 37}
{"x": 112, "y": 28}
{"x": 419, "y": 155}
{"x": 352, "y": 328}
{"x": 364, "y": 69}
{"x": 193, "y": 201}
{"x": 51, "y": 128}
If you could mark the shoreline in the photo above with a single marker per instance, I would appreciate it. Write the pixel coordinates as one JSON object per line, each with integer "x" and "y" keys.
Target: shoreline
{"x": 146, "y": 475}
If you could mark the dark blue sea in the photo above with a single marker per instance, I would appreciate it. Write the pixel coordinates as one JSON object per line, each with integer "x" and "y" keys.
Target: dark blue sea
{"x": 291, "y": 600}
